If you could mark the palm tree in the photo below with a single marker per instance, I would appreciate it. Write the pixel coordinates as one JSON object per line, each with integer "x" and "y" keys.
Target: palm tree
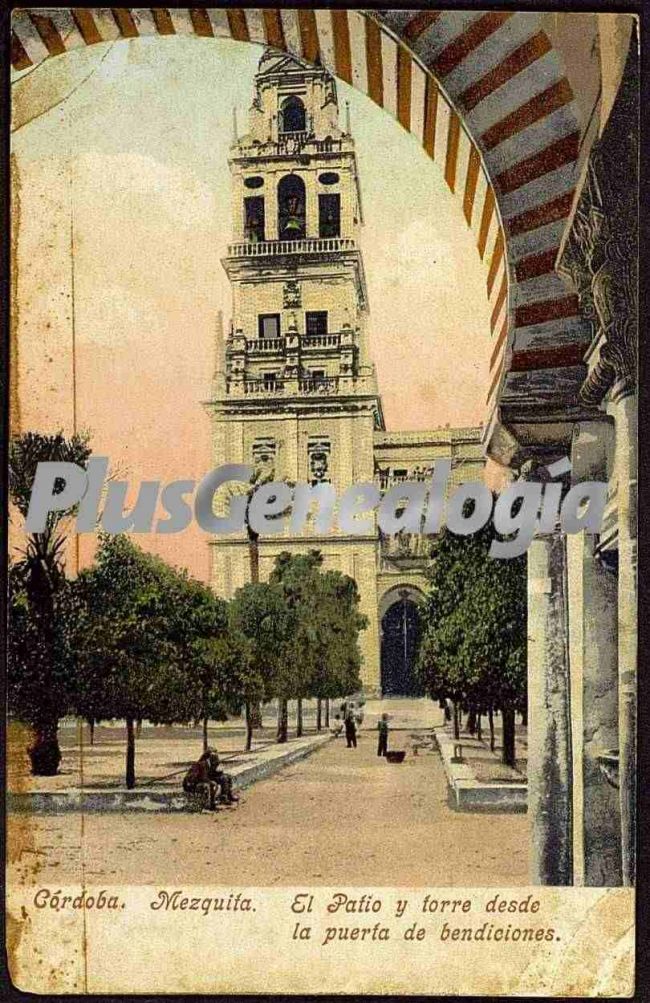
{"x": 39, "y": 693}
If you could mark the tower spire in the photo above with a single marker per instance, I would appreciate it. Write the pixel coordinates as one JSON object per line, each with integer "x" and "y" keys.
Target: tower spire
{"x": 235, "y": 136}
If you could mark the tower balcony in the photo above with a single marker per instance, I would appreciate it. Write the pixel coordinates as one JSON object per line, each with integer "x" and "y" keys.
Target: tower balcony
{"x": 322, "y": 385}
{"x": 240, "y": 388}
{"x": 320, "y": 341}
{"x": 308, "y": 342}
{"x": 306, "y": 246}
{"x": 319, "y": 385}
{"x": 291, "y": 144}
{"x": 266, "y": 346}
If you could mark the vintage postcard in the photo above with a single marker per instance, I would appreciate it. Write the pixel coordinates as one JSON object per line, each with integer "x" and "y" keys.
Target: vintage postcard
{"x": 322, "y": 565}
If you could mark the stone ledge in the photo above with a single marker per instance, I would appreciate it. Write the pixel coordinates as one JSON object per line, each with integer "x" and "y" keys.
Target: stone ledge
{"x": 466, "y": 793}
{"x": 157, "y": 799}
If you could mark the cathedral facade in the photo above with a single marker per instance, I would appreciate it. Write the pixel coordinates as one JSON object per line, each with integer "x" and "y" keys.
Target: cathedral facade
{"x": 295, "y": 391}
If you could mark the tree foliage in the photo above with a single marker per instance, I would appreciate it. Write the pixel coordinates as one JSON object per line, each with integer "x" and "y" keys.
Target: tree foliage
{"x": 144, "y": 641}
{"x": 133, "y": 638}
{"x": 40, "y": 669}
{"x": 473, "y": 648}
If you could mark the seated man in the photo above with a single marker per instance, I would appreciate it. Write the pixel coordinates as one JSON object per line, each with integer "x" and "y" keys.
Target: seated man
{"x": 224, "y": 780}
{"x": 197, "y": 780}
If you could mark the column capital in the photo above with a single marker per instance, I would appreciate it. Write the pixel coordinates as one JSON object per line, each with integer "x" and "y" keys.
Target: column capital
{"x": 600, "y": 255}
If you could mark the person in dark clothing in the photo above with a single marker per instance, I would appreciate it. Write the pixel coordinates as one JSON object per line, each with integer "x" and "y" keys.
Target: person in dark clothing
{"x": 382, "y": 728}
{"x": 197, "y": 780}
{"x": 224, "y": 780}
{"x": 350, "y": 727}
{"x": 206, "y": 777}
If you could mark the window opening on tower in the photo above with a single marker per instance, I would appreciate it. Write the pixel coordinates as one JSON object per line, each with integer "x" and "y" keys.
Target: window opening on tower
{"x": 316, "y": 322}
{"x": 254, "y": 218}
{"x": 292, "y": 115}
{"x": 329, "y": 215}
{"x": 291, "y": 208}
{"x": 268, "y": 325}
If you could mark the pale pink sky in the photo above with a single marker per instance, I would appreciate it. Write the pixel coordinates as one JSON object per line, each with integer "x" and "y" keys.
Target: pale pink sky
{"x": 130, "y": 171}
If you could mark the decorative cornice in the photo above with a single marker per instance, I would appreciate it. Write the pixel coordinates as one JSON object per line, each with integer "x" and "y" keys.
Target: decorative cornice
{"x": 600, "y": 256}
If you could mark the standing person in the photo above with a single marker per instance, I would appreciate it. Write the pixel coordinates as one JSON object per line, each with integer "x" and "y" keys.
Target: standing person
{"x": 350, "y": 727}
{"x": 382, "y": 728}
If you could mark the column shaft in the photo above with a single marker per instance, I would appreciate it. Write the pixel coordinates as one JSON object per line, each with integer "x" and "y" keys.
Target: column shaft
{"x": 626, "y": 471}
{"x": 549, "y": 742}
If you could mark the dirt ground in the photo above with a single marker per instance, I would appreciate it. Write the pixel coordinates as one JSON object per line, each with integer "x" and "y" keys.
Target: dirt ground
{"x": 343, "y": 816}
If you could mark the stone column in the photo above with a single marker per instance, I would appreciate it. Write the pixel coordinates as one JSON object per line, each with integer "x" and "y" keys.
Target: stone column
{"x": 612, "y": 377}
{"x": 549, "y": 737}
{"x": 271, "y": 206}
{"x": 603, "y": 252}
{"x": 625, "y": 409}
{"x": 311, "y": 194}
{"x": 593, "y": 656}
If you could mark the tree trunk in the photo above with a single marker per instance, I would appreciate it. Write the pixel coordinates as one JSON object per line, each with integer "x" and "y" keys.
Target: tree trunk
{"x": 479, "y": 728}
{"x": 138, "y": 728}
{"x": 45, "y": 754}
{"x": 91, "y": 730}
{"x": 283, "y": 720}
{"x": 249, "y": 726}
{"x": 319, "y": 714}
{"x": 299, "y": 728}
{"x": 471, "y": 721}
{"x": 254, "y": 712}
{"x": 508, "y": 747}
{"x": 253, "y": 553}
{"x": 524, "y": 717}
{"x": 130, "y": 754}
{"x": 205, "y": 734}
{"x": 327, "y": 712}
{"x": 491, "y": 720}
{"x": 456, "y": 721}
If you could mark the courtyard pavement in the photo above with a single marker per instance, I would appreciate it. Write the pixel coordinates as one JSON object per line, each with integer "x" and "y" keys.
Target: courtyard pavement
{"x": 342, "y": 816}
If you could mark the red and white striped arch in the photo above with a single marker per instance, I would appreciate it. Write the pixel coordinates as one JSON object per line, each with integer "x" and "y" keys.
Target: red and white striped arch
{"x": 483, "y": 92}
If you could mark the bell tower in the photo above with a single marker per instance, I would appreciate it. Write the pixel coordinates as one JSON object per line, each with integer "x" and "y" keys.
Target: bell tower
{"x": 297, "y": 393}
{"x": 300, "y": 301}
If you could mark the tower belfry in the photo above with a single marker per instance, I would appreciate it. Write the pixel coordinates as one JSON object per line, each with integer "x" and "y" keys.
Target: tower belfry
{"x": 296, "y": 394}
{"x": 300, "y": 302}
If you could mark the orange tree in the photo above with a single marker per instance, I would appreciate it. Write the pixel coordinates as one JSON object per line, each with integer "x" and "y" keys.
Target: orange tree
{"x": 473, "y": 648}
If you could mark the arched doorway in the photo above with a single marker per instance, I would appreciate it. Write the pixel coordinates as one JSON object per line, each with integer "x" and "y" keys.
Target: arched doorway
{"x": 400, "y": 637}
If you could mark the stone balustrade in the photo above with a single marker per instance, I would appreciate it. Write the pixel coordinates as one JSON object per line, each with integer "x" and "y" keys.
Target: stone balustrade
{"x": 308, "y": 245}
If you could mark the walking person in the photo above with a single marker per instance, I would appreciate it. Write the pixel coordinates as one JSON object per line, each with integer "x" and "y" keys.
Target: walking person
{"x": 382, "y": 728}
{"x": 350, "y": 727}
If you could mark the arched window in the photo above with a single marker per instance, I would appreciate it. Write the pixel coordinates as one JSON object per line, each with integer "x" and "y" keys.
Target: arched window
{"x": 291, "y": 208}
{"x": 254, "y": 218}
{"x": 292, "y": 115}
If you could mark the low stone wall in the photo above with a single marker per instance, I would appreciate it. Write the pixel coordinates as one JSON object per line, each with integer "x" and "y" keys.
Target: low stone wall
{"x": 466, "y": 793}
{"x": 157, "y": 799}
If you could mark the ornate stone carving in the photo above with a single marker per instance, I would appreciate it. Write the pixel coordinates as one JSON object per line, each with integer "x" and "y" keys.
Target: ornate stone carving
{"x": 601, "y": 254}
{"x": 264, "y": 455}
{"x": 319, "y": 450}
{"x": 291, "y": 294}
